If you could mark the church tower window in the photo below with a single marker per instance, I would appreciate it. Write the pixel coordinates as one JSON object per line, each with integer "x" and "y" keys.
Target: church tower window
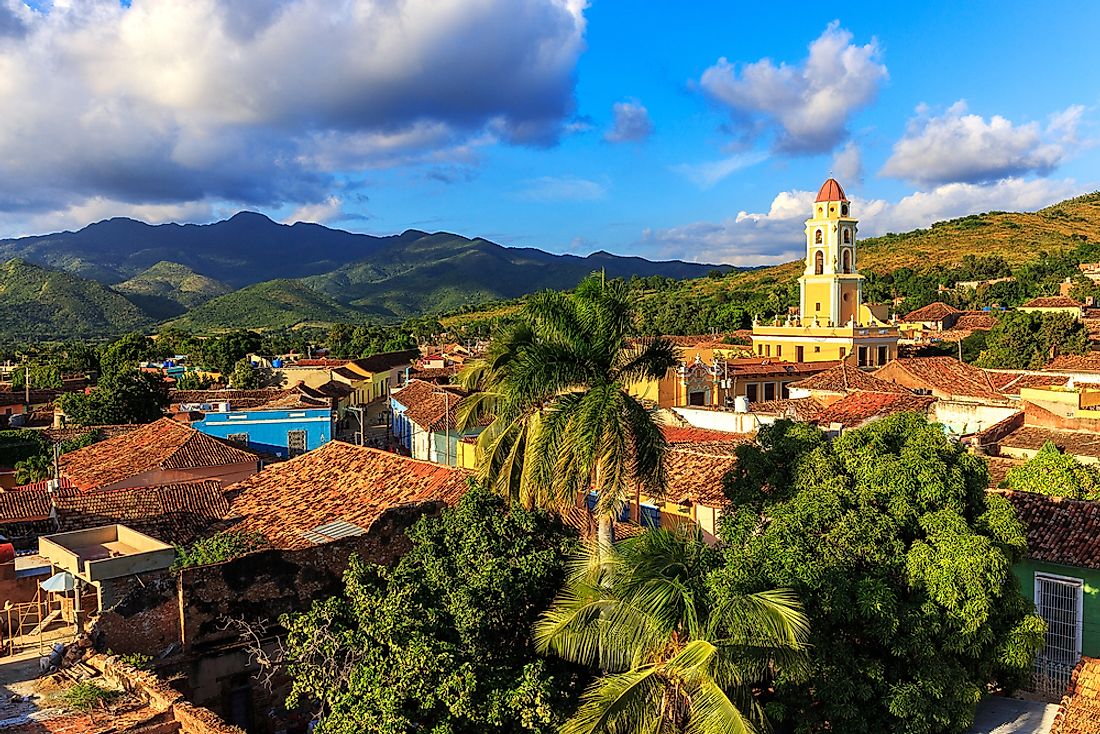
{"x": 846, "y": 259}
{"x": 818, "y": 237}
{"x": 843, "y": 210}
{"x": 819, "y": 260}
{"x": 847, "y": 236}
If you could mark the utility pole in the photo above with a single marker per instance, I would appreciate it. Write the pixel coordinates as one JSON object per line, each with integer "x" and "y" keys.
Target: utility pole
{"x": 27, "y": 385}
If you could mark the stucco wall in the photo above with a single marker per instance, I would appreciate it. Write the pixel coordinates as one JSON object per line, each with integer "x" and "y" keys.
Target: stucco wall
{"x": 1090, "y": 615}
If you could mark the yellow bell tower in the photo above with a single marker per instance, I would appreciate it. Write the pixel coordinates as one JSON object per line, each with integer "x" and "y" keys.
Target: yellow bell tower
{"x": 830, "y": 287}
{"x": 832, "y": 322}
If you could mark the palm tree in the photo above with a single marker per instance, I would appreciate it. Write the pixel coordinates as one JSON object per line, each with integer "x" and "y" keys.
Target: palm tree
{"x": 675, "y": 659}
{"x": 557, "y": 385}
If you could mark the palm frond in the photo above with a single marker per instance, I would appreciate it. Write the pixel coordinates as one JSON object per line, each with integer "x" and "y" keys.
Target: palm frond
{"x": 621, "y": 703}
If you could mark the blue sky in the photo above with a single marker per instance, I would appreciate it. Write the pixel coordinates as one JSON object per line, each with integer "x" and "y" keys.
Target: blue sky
{"x": 693, "y": 130}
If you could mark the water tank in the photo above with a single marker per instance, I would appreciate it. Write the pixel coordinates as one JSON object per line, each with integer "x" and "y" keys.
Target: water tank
{"x": 741, "y": 404}
{"x": 168, "y": 364}
{"x": 277, "y": 364}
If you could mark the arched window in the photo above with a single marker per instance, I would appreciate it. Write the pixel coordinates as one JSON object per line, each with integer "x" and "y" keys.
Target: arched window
{"x": 819, "y": 261}
{"x": 846, "y": 261}
{"x": 847, "y": 236}
{"x": 844, "y": 210}
{"x": 818, "y": 237}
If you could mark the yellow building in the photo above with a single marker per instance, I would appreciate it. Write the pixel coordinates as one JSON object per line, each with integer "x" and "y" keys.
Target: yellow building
{"x": 833, "y": 322}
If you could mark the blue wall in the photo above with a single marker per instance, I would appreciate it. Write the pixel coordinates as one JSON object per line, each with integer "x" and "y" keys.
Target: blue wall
{"x": 402, "y": 427}
{"x": 267, "y": 429}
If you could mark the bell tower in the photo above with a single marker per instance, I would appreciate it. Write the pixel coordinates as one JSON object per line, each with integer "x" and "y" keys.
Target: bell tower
{"x": 830, "y": 288}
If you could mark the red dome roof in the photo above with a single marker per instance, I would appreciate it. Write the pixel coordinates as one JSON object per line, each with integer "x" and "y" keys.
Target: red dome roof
{"x": 831, "y": 191}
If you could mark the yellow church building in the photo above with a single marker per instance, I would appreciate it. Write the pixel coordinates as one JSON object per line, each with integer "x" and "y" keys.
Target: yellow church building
{"x": 832, "y": 321}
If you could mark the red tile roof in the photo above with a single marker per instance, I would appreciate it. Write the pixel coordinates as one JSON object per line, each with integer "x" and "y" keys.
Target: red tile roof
{"x": 758, "y": 367}
{"x": 27, "y": 505}
{"x": 860, "y": 407}
{"x": 173, "y": 513}
{"x": 1059, "y": 530}
{"x": 1089, "y": 362}
{"x": 1052, "y": 302}
{"x": 161, "y": 445}
{"x": 830, "y": 191}
{"x": 975, "y": 321}
{"x": 937, "y": 311}
{"x": 799, "y": 409}
{"x": 845, "y": 378}
{"x": 431, "y": 406}
{"x": 1075, "y": 443}
{"x": 691, "y": 434}
{"x": 337, "y": 482}
{"x": 695, "y": 470}
{"x": 385, "y": 361}
{"x": 237, "y": 399}
{"x": 1079, "y": 712}
{"x": 1010, "y": 383}
{"x": 946, "y": 375}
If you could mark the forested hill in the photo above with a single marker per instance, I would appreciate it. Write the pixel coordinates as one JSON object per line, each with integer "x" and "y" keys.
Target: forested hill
{"x": 1039, "y": 249}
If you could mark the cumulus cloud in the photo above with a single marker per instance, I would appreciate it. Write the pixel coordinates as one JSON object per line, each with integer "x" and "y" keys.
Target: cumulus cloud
{"x": 708, "y": 173}
{"x": 848, "y": 163}
{"x": 806, "y": 105}
{"x": 631, "y": 123}
{"x": 561, "y": 188}
{"x": 267, "y": 102}
{"x": 320, "y": 212}
{"x": 777, "y": 235}
{"x": 959, "y": 146}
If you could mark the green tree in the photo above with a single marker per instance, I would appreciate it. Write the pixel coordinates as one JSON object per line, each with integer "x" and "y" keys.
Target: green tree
{"x": 43, "y": 377}
{"x": 675, "y": 659}
{"x": 126, "y": 353}
{"x": 33, "y": 469}
{"x": 442, "y": 642}
{"x": 903, "y": 562}
{"x": 223, "y": 352}
{"x": 245, "y": 376}
{"x": 193, "y": 381}
{"x": 1028, "y": 340}
{"x": 126, "y": 396}
{"x": 1053, "y": 473}
{"x": 556, "y": 384}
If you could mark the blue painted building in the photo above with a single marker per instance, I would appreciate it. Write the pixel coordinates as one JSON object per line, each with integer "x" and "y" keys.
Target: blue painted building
{"x": 285, "y": 432}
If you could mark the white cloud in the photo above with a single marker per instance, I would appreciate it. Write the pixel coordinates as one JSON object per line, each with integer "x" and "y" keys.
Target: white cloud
{"x": 708, "y": 173}
{"x": 262, "y": 103}
{"x": 631, "y": 123}
{"x": 808, "y": 105}
{"x": 959, "y": 146}
{"x": 777, "y": 235}
{"x": 320, "y": 212}
{"x": 848, "y": 163}
{"x": 98, "y": 208}
{"x": 561, "y": 188}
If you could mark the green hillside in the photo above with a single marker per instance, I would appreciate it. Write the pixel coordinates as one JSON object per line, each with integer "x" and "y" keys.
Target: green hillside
{"x": 37, "y": 303}
{"x": 169, "y": 289}
{"x": 274, "y": 304}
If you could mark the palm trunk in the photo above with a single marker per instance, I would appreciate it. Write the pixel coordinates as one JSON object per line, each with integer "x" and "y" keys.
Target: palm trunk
{"x": 603, "y": 532}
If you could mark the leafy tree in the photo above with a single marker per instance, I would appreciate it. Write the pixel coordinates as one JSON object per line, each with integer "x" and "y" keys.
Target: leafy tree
{"x": 1053, "y": 473}
{"x": 903, "y": 562}
{"x": 127, "y": 396}
{"x": 442, "y": 642}
{"x": 245, "y": 376}
{"x": 193, "y": 381}
{"x": 1028, "y": 340}
{"x": 223, "y": 353}
{"x": 564, "y": 422}
{"x": 33, "y": 469}
{"x": 21, "y": 444}
{"x": 675, "y": 659}
{"x": 43, "y": 376}
{"x": 127, "y": 353}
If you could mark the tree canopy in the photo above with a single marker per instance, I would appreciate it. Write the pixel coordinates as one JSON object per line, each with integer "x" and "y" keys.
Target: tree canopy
{"x": 125, "y": 396}
{"x": 1056, "y": 474}
{"x": 903, "y": 562}
{"x": 442, "y": 642}
{"x": 1028, "y": 340}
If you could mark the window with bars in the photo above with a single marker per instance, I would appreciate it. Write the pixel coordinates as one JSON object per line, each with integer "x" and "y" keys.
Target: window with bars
{"x": 295, "y": 443}
{"x": 241, "y": 438}
{"x": 1058, "y": 600}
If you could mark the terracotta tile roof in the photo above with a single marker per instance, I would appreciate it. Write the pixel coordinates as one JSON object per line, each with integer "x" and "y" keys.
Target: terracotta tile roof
{"x": 42, "y": 486}
{"x": 27, "y": 505}
{"x": 1089, "y": 362}
{"x": 757, "y": 367}
{"x": 998, "y": 469}
{"x": 161, "y": 445}
{"x": 385, "y": 361}
{"x": 1052, "y": 302}
{"x": 435, "y": 373}
{"x": 337, "y": 482}
{"x": 845, "y": 378}
{"x": 860, "y": 407}
{"x": 431, "y": 406}
{"x": 975, "y": 321}
{"x": 800, "y": 409}
{"x": 413, "y": 392}
{"x": 937, "y": 311}
{"x": 1059, "y": 530}
{"x": 173, "y": 513}
{"x": 1079, "y": 712}
{"x": 70, "y": 432}
{"x": 947, "y": 375}
{"x": 695, "y": 470}
{"x": 237, "y": 399}
{"x": 319, "y": 362}
{"x": 334, "y": 389}
{"x": 691, "y": 434}
{"x": 1075, "y": 443}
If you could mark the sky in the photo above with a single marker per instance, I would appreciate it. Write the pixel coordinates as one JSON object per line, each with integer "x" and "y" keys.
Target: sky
{"x": 699, "y": 131}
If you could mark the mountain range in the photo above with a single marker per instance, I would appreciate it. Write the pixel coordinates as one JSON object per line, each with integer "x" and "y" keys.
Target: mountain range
{"x": 251, "y": 272}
